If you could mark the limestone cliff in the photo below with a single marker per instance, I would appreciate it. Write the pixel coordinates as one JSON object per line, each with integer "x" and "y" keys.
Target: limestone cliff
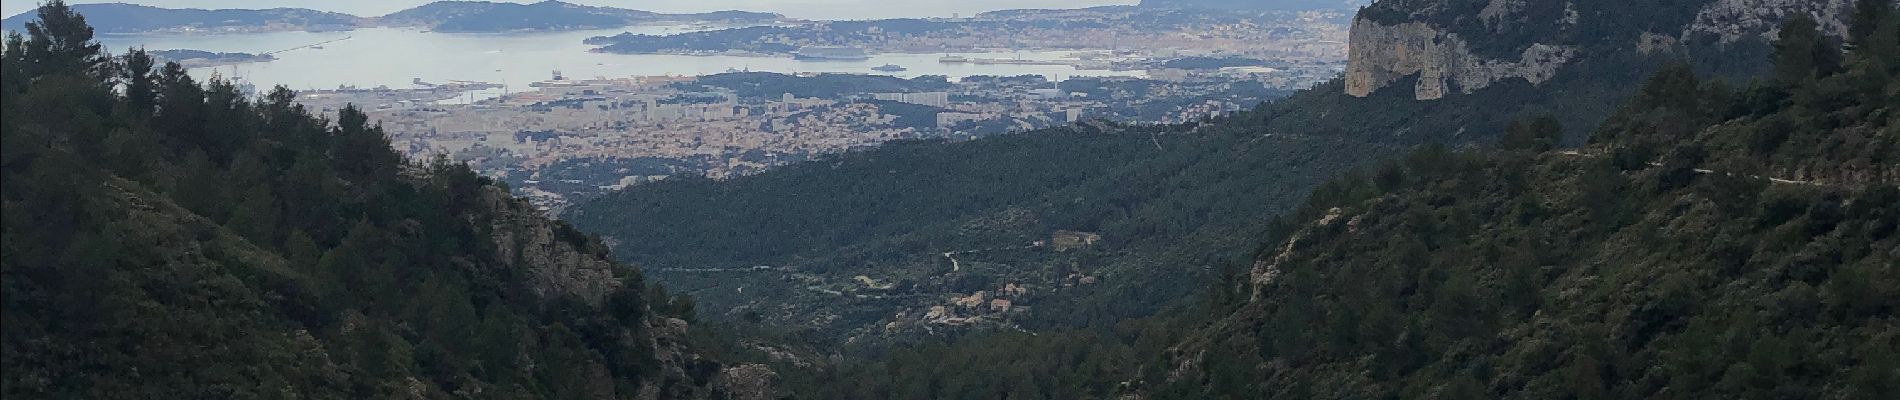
{"x": 1461, "y": 46}
{"x": 1381, "y": 54}
{"x": 1734, "y": 20}
{"x": 559, "y": 260}
{"x": 745, "y": 382}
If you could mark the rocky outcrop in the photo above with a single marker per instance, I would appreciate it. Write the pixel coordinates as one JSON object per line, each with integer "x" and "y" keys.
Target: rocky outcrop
{"x": 1071, "y": 240}
{"x": 685, "y": 374}
{"x": 558, "y": 259}
{"x": 1390, "y": 42}
{"x": 1652, "y": 43}
{"x": 1730, "y": 21}
{"x": 1497, "y": 12}
{"x": 1266, "y": 269}
{"x": 746, "y": 382}
{"x": 1381, "y": 54}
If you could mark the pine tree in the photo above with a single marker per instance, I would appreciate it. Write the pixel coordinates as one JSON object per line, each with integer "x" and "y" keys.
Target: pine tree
{"x": 181, "y": 105}
{"x": 255, "y": 215}
{"x": 228, "y": 119}
{"x": 1803, "y": 53}
{"x": 362, "y": 150}
{"x": 13, "y": 67}
{"x": 1868, "y": 17}
{"x": 141, "y": 86}
{"x": 60, "y": 41}
{"x": 1874, "y": 38}
{"x": 1538, "y": 134}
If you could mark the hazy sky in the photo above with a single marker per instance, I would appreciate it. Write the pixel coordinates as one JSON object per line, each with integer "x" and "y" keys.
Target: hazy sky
{"x": 812, "y": 9}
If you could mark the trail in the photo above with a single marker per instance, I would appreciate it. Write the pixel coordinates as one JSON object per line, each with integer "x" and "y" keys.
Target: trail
{"x": 760, "y": 268}
{"x": 1705, "y": 171}
{"x": 958, "y": 266}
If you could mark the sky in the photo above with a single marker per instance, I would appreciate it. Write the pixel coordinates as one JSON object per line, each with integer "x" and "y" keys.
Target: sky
{"x": 809, "y": 9}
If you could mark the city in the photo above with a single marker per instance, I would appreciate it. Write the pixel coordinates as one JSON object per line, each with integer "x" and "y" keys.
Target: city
{"x": 569, "y": 138}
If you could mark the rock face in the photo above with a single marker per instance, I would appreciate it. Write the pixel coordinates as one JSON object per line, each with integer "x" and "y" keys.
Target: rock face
{"x": 1733, "y": 20}
{"x": 1381, "y": 54}
{"x": 562, "y": 262}
{"x": 1266, "y": 269}
{"x": 746, "y": 382}
{"x": 1436, "y": 40}
{"x": 1651, "y": 43}
{"x": 554, "y": 256}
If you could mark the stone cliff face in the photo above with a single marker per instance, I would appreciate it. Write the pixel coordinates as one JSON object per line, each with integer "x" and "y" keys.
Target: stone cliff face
{"x": 1439, "y": 41}
{"x": 558, "y": 264}
{"x": 1734, "y": 20}
{"x": 561, "y": 262}
{"x": 1381, "y": 54}
{"x": 745, "y": 382}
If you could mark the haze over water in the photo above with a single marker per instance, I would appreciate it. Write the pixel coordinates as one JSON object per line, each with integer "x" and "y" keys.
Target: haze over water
{"x": 807, "y": 9}
{"x": 394, "y": 57}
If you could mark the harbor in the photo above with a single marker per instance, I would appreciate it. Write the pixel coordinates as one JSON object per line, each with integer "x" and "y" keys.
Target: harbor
{"x": 396, "y": 57}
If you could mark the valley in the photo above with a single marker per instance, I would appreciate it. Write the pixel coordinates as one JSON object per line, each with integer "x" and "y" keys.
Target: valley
{"x": 1513, "y": 199}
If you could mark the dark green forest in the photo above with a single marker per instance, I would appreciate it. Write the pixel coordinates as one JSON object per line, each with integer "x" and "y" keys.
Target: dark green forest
{"x": 1174, "y": 204}
{"x": 1163, "y": 203}
{"x": 1682, "y": 254}
{"x": 167, "y": 237}
{"x": 1709, "y": 242}
{"x": 1641, "y": 226}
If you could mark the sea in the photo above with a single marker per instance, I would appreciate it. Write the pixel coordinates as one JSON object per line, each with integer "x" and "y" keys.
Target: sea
{"x": 398, "y": 57}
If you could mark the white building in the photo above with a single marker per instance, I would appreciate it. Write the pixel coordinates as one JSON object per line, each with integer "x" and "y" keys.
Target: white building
{"x": 933, "y": 99}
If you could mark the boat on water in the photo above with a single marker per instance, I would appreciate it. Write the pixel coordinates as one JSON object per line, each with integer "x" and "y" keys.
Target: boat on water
{"x": 890, "y": 68}
{"x": 822, "y": 53}
{"x": 949, "y": 59}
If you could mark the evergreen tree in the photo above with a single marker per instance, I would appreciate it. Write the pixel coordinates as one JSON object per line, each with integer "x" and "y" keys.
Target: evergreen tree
{"x": 228, "y": 120}
{"x": 1874, "y": 33}
{"x": 141, "y": 86}
{"x": 1803, "y": 53}
{"x": 1538, "y": 134}
{"x": 360, "y": 149}
{"x": 13, "y": 63}
{"x": 1868, "y": 17}
{"x": 179, "y": 240}
{"x": 61, "y": 42}
{"x": 181, "y": 106}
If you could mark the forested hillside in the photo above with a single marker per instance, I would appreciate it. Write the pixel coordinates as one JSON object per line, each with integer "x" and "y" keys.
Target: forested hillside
{"x": 122, "y": 18}
{"x": 1683, "y": 253}
{"x": 172, "y": 238}
{"x": 1172, "y": 205}
{"x": 1710, "y": 243}
{"x": 892, "y": 215}
{"x": 1701, "y": 236}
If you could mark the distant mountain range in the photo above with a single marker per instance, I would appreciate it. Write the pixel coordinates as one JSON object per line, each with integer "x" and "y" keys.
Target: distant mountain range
{"x": 483, "y": 16}
{"x": 134, "y": 18}
{"x": 447, "y": 16}
{"x": 1256, "y": 4}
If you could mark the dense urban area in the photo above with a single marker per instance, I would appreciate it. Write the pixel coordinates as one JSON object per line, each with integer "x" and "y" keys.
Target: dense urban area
{"x": 570, "y": 137}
